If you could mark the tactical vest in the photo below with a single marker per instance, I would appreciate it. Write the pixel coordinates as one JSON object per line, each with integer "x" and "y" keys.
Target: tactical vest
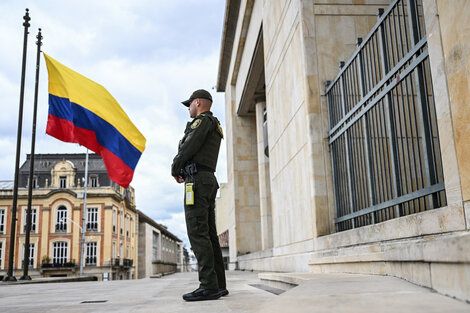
{"x": 209, "y": 151}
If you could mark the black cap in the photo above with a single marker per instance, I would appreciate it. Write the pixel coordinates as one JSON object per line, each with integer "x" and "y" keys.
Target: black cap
{"x": 198, "y": 94}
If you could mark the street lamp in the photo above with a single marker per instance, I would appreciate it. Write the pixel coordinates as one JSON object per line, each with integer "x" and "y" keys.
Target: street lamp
{"x": 82, "y": 241}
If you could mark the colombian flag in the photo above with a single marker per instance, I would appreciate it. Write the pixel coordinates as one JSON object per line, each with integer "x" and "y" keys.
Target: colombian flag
{"x": 84, "y": 112}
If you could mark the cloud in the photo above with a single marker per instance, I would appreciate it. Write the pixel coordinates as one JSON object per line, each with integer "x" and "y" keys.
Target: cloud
{"x": 149, "y": 55}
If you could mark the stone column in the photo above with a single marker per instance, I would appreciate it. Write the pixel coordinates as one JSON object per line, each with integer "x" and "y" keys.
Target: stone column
{"x": 450, "y": 66}
{"x": 264, "y": 179}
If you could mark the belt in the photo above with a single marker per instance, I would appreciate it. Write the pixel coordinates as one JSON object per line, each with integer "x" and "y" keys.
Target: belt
{"x": 202, "y": 168}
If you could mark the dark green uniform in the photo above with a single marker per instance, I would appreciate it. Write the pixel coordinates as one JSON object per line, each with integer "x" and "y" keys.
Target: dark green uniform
{"x": 200, "y": 145}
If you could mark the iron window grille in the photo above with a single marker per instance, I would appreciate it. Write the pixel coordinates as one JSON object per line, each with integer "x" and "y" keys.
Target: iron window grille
{"x": 383, "y": 135}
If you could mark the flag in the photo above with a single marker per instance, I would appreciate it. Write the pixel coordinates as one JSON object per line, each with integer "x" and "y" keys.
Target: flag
{"x": 84, "y": 112}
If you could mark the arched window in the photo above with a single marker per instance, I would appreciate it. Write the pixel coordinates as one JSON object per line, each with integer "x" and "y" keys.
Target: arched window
{"x": 61, "y": 220}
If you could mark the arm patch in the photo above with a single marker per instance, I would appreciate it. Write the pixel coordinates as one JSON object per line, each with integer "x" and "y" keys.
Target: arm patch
{"x": 196, "y": 124}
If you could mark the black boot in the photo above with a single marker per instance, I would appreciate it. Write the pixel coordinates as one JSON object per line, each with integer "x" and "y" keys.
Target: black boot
{"x": 202, "y": 294}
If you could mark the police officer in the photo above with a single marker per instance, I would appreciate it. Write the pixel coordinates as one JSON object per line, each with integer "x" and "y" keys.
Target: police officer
{"x": 195, "y": 165}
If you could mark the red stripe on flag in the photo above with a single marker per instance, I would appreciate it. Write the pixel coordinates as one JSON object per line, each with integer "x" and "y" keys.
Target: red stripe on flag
{"x": 66, "y": 131}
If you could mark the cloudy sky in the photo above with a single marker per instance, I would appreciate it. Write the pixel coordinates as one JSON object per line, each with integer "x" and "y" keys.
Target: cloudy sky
{"x": 149, "y": 54}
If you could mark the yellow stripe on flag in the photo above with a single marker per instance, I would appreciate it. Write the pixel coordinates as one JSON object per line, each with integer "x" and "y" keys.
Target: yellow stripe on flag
{"x": 66, "y": 83}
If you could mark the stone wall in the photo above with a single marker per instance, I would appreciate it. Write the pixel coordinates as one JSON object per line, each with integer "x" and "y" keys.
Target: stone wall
{"x": 303, "y": 43}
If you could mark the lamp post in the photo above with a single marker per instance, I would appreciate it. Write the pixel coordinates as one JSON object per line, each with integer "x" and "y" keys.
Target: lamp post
{"x": 82, "y": 241}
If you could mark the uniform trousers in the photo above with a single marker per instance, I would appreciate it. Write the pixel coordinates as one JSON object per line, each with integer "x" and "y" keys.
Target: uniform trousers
{"x": 202, "y": 233}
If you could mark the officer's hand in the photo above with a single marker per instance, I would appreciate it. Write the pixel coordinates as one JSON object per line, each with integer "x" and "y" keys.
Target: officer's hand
{"x": 179, "y": 179}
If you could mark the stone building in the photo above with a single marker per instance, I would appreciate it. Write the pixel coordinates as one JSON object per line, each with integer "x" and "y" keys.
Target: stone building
{"x": 347, "y": 136}
{"x": 160, "y": 251}
{"x": 57, "y": 211}
{"x": 222, "y": 223}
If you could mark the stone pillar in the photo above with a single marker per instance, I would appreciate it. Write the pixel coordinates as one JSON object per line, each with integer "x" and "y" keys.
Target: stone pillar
{"x": 264, "y": 179}
{"x": 447, "y": 33}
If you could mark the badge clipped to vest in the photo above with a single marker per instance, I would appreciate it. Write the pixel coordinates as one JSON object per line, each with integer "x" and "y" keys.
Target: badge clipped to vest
{"x": 189, "y": 193}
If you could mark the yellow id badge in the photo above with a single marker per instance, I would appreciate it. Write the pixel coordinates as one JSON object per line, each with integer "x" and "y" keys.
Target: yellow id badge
{"x": 189, "y": 194}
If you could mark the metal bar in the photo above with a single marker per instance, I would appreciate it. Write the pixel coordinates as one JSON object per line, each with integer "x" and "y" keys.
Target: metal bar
{"x": 379, "y": 97}
{"x": 364, "y": 42}
{"x": 333, "y": 153}
{"x": 369, "y": 158}
{"x": 387, "y": 76}
{"x": 404, "y": 24}
{"x": 82, "y": 241}
{"x": 390, "y": 124}
{"x": 402, "y": 199}
{"x": 347, "y": 149}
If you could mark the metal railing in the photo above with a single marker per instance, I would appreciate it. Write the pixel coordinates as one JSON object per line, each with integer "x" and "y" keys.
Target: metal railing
{"x": 383, "y": 137}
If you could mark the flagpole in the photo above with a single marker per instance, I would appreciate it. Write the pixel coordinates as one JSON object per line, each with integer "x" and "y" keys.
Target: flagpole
{"x": 11, "y": 252}
{"x": 31, "y": 165}
{"x": 83, "y": 215}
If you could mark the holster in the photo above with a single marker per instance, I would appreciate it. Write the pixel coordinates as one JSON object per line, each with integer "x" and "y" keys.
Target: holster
{"x": 189, "y": 171}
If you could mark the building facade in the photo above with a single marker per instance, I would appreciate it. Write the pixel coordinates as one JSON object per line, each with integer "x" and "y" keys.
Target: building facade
{"x": 222, "y": 223}
{"x": 109, "y": 220}
{"x": 347, "y": 135}
{"x": 160, "y": 252}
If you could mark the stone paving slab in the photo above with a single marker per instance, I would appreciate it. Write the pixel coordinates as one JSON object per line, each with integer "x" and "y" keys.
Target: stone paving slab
{"x": 144, "y": 295}
{"x": 348, "y": 293}
{"x": 317, "y": 293}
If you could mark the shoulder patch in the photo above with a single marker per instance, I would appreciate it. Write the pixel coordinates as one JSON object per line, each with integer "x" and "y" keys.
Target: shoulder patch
{"x": 196, "y": 124}
{"x": 220, "y": 130}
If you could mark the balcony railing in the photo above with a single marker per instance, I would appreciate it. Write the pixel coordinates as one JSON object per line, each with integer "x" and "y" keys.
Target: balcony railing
{"x": 90, "y": 260}
{"x": 59, "y": 265}
{"x": 123, "y": 262}
{"x": 61, "y": 228}
{"x": 127, "y": 262}
{"x": 33, "y": 228}
{"x": 92, "y": 226}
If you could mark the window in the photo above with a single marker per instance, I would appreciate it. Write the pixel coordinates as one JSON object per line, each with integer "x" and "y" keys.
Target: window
{"x": 59, "y": 252}
{"x": 114, "y": 250}
{"x": 121, "y": 222}
{"x": 132, "y": 227}
{"x": 33, "y": 220}
{"x": 61, "y": 220}
{"x": 114, "y": 220}
{"x": 155, "y": 247}
{"x": 127, "y": 226}
{"x": 92, "y": 219}
{"x": 2, "y": 221}
{"x": 94, "y": 181}
{"x": 63, "y": 181}
{"x": 1, "y": 251}
{"x": 121, "y": 246}
{"x": 90, "y": 253}
{"x": 34, "y": 182}
{"x": 31, "y": 254}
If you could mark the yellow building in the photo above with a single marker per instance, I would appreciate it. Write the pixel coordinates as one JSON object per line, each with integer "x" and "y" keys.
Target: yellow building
{"x": 110, "y": 220}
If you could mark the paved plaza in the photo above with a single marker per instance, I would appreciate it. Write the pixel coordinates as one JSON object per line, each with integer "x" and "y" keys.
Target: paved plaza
{"x": 317, "y": 293}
